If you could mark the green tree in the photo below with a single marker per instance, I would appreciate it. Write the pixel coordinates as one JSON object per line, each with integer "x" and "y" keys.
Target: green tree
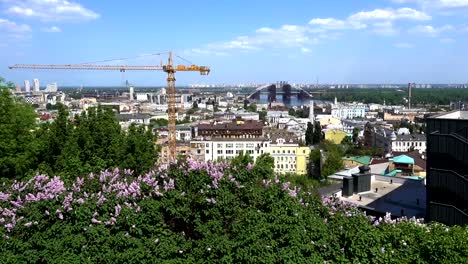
{"x": 262, "y": 116}
{"x": 355, "y": 135}
{"x": 252, "y": 107}
{"x": 17, "y": 140}
{"x": 317, "y": 137}
{"x": 309, "y": 135}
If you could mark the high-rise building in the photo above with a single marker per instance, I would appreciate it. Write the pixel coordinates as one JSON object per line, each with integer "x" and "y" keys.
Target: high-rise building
{"x": 447, "y": 168}
{"x": 131, "y": 93}
{"x": 27, "y": 86}
{"x": 36, "y": 85}
{"x": 52, "y": 87}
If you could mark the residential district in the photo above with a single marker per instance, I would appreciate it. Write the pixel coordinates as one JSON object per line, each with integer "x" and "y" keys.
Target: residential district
{"x": 400, "y": 159}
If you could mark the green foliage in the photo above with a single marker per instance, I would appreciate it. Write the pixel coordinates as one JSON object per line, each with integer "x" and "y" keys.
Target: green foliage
{"x": 91, "y": 142}
{"x": 313, "y": 168}
{"x": 300, "y": 113}
{"x": 262, "y": 116}
{"x": 240, "y": 221}
{"x": 252, "y": 107}
{"x": 159, "y": 122}
{"x": 317, "y": 137}
{"x": 17, "y": 145}
{"x": 309, "y": 135}
{"x": 434, "y": 96}
{"x": 333, "y": 155}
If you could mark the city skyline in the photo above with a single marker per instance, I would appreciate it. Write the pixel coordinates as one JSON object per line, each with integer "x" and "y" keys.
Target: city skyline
{"x": 385, "y": 41}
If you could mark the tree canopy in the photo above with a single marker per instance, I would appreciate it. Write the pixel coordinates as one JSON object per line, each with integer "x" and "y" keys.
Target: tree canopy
{"x": 193, "y": 212}
{"x": 69, "y": 146}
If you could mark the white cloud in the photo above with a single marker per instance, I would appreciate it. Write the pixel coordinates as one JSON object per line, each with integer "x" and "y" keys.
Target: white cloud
{"x": 13, "y": 28}
{"x": 390, "y": 14}
{"x": 286, "y": 36}
{"x": 447, "y": 40}
{"x": 305, "y": 50}
{"x": 445, "y": 6}
{"x": 49, "y": 10}
{"x": 384, "y": 28}
{"x": 403, "y": 45}
{"x": 431, "y": 31}
{"x": 336, "y": 24}
{"x": 53, "y": 29}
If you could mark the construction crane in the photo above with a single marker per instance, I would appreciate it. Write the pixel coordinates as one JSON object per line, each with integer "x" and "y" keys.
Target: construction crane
{"x": 169, "y": 68}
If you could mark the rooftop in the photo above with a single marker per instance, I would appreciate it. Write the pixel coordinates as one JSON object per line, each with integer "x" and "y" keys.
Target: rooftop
{"x": 406, "y": 195}
{"x": 246, "y": 124}
{"x": 454, "y": 115}
{"x": 404, "y": 159}
{"x": 360, "y": 159}
{"x": 411, "y": 137}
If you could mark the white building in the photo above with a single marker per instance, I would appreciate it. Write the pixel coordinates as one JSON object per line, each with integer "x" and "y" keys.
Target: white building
{"x": 27, "y": 86}
{"x": 51, "y": 88}
{"x": 405, "y": 143}
{"x": 273, "y": 117}
{"x": 227, "y": 148}
{"x": 131, "y": 93}
{"x": 36, "y": 85}
{"x": 348, "y": 111}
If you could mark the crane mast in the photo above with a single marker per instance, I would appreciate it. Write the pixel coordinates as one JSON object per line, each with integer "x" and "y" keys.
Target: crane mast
{"x": 169, "y": 68}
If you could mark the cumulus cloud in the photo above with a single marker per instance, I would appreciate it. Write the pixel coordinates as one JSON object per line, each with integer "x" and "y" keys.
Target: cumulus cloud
{"x": 385, "y": 22}
{"x": 336, "y": 24}
{"x": 49, "y": 10}
{"x": 12, "y": 27}
{"x": 431, "y": 31}
{"x": 445, "y": 6}
{"x": 286, "y": 36}
{"x": 53, "y": 29}
{"x": 390, "y": 14}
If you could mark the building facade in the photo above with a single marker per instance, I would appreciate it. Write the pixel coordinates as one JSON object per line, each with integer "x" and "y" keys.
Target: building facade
{"x": 406, "y": 143}
{"x": 447, "y": 168}
{"x": 238, "y": 128}
{"x": 36, "y": 85}
{"x": 225, "y": 148}
{"x": 348, "y": 111}
{"x": 289, "y": 157}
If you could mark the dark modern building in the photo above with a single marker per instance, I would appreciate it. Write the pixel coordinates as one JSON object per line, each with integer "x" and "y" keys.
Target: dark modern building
{"x": 447, "y": 167}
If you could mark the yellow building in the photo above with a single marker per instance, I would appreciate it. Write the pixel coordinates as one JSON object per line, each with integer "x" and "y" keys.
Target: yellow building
{"x": 325, "y": 121}
{"x": 289, "y": 157}
{"x": 335, "y": 135}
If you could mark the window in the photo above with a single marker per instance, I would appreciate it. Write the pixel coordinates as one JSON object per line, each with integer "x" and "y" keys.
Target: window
{"x": 229, "y": 145}
{"x": 220, "y": 151}
{"x": 239, "y": 145}
{"x": 198, "y": 151}
{"x": 303, "y": 152}
{"x": 238, "y": 151}
{"x": 220, "y": 145}
{"x": 207, "y": 144}
{"x": 289, "y": 151}
{"x": 207, "y": 151}
{"x": 284, "y": 151}
{"x": 250, "y": 145}
{"x": 229, "y": 151}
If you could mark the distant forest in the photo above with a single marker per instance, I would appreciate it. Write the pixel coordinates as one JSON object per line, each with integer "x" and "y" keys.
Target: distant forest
{"x": 433, "y": 96}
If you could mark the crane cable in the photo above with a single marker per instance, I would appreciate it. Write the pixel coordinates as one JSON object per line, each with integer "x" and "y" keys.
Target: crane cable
{"x": 109, "y": 60}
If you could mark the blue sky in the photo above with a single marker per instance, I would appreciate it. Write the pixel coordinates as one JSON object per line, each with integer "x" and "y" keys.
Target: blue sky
{"x": 359, "y": 41}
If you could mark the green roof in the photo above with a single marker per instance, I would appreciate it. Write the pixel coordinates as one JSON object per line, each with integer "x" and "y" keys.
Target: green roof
{"x": 403, "y": 159}
{"x": 365, "y": 160}
{"x": 393, "y": 173}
